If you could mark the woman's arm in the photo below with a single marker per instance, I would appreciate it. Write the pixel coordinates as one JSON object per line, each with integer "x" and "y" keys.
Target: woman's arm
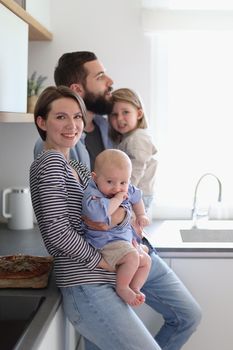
{"x": 49, "y": 184}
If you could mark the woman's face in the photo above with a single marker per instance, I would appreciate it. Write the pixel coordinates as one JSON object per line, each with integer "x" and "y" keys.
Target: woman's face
{"x": 124, "y": 117}
{"x": 63, "y": 126}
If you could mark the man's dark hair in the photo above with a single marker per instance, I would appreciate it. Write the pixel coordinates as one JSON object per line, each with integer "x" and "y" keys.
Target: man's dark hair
{"x": 70, "y": 68}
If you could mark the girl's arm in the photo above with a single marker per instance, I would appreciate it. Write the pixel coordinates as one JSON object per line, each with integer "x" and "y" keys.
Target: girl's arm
{"x": 140, "y": 149}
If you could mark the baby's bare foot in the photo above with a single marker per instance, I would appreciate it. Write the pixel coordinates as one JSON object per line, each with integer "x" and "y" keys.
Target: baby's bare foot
{"x": 140, "y": 299}
{"x": 140, "y": 296}
{"x": 130, "y": 297}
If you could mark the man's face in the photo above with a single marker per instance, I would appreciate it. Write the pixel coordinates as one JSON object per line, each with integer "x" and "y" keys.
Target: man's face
{"x": 98, "y": 87}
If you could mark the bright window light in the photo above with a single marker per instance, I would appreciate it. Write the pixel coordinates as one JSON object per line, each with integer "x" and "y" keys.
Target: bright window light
{"x": 192, "y": 103}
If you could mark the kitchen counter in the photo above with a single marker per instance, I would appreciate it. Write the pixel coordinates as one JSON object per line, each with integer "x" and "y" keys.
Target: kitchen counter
{"x": 204, "y": 267}
{"x": 21, "y": 241}
{"x": 30, "y": 242}
{"x": 166, "y": 237}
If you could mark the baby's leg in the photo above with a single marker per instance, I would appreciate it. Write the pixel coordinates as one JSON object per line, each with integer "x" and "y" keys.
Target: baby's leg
{"x": 142, "y": 272}
{"x": 126, "y": 269}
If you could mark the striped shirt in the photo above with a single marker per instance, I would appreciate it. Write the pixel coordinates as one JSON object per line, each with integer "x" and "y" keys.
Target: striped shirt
{"x": 57, "y": 201}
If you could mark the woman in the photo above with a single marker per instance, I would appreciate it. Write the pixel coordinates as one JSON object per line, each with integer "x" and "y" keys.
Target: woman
{"x": 57, "y": 184}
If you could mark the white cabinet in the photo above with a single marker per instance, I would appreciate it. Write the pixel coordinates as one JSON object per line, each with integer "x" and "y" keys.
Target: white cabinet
{"x": 16, "y": 28}
{"x": 211, "y": 283}
{"x": 60, "y": 334}
{"x": 73, "y": 338}
{"x": 13, "y": 62}
{"x": 36, "y": 30}
{"x": 54, "y": 338}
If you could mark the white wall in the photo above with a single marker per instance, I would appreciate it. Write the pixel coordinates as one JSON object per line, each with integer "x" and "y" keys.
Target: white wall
{"x": 110, "y": 28}
{"x": 40, "y": 10}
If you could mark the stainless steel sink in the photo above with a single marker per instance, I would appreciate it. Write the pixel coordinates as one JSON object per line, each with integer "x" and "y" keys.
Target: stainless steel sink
{"x": 16, "y": 313}
{"x": 206, "y": 235}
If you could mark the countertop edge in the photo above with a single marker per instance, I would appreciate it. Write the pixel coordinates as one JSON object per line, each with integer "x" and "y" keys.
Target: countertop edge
{"x": 38, "y": 326}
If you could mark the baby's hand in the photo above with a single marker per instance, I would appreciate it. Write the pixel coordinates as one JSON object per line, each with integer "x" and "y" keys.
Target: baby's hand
{"x": 142, "y": 220}
{"x": 139, "y": 222}
{"x": 121, "y": 196}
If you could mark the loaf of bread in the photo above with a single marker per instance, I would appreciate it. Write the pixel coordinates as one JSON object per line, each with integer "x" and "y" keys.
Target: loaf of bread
{"x": 24, "y": 271}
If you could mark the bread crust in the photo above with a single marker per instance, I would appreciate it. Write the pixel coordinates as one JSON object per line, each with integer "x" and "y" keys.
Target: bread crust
{"x": 22, "y": 271}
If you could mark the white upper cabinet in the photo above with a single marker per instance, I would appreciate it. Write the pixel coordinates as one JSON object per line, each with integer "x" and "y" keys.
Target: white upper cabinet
{"x": 13, "y": 62}
{"x": 37, "y": 31}
{"x": 17, "y": 27}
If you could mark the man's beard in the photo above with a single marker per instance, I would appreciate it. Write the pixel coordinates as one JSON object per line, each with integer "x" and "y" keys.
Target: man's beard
{"x": 98, "y": 104}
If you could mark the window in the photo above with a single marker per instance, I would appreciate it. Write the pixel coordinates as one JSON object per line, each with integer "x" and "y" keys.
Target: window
{"x": 192, "y": 104}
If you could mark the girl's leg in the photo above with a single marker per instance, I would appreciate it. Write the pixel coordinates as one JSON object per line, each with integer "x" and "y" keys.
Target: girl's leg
{"x": 100, "y": 315}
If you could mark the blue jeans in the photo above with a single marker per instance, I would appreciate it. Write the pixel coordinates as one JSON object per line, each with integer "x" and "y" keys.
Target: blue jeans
{"x": 104, "y": 319}
{"x": 101, "y": 316}
{"x": 166, "y": 294}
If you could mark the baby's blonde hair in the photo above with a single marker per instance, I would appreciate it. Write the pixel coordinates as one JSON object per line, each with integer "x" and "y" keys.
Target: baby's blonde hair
{"x": 129, "y": 96}
{"x": 112, "y": 158}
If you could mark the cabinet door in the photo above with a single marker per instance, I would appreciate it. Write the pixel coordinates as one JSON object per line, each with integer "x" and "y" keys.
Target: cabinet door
{"x": 13, "y": 62}
{"x": 73, "y": 338}
{"x": 55, "y": 336}
{"x": 60, "y": 334}
{"x": 210, "y": 282}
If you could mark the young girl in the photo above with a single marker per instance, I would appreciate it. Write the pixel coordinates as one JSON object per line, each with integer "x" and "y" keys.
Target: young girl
{"x": 128, "y": 129}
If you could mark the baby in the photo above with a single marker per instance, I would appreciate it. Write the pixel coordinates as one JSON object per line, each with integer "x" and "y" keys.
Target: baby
{"x": 109, "y": 189}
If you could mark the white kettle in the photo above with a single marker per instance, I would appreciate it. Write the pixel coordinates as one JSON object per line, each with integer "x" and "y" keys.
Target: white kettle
{"x": 17, "y": 208}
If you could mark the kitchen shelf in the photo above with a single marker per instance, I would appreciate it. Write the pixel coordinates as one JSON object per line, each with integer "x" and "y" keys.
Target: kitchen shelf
{"x": 13, "y": 117}
{"x": 37, "y": 31}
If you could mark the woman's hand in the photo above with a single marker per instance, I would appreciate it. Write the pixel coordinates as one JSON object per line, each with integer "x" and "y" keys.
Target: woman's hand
{"x": 140, "y": 246}
{"x": 103, "y": 265}
{"x": 116, "y": 218}
{"x": 95, "y": 225}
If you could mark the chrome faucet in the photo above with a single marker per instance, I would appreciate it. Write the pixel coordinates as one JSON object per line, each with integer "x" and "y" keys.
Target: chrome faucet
{"x": 195, "y": 214}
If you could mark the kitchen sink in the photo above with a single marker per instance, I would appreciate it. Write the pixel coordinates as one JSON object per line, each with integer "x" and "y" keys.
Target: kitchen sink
{"x": 16, "y": 313}
{"x": 206, "y": 235}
